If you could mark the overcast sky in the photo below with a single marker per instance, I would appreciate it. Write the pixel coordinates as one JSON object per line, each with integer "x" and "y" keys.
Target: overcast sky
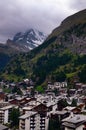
{"x": 44, "y": 15}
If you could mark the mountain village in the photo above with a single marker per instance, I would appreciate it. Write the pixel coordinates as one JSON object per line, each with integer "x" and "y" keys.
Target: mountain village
{"x": 58, "y": 105}
{"x": 43, "y": 77}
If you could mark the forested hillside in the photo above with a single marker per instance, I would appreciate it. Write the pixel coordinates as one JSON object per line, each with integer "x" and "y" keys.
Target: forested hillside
{"x": 62, "y": 56}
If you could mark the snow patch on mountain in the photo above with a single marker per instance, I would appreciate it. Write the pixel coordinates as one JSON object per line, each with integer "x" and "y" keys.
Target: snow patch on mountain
{"x": 30, "y": 39}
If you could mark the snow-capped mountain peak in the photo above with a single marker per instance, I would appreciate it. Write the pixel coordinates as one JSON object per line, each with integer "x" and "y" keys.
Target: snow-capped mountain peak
{"x": 29, "y": 39}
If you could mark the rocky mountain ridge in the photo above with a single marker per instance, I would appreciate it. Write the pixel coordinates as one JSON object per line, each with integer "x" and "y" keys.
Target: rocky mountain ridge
{"x": 27, "y": 41}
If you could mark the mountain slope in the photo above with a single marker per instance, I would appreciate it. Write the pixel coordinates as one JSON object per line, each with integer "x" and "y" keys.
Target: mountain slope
{"x": 78, "y": 18}
{"x": 61, "y": 56}
{"x": 6, "y": 53}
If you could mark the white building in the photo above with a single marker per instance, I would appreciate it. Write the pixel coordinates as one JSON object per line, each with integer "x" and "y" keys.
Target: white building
{"x": 5, "y": 114}
{"x": 33, "y": 121}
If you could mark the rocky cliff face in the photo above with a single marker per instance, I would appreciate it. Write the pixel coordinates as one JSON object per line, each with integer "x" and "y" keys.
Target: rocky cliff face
{"x": 74, "y": 39}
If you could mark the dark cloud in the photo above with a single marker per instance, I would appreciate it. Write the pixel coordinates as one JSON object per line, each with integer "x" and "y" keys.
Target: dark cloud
{"x": 45, "y": 15}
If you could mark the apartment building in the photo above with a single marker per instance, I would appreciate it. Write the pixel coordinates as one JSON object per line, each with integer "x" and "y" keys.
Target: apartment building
{"x": 5, "y": 114}
{"x": 33, "y": 121}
